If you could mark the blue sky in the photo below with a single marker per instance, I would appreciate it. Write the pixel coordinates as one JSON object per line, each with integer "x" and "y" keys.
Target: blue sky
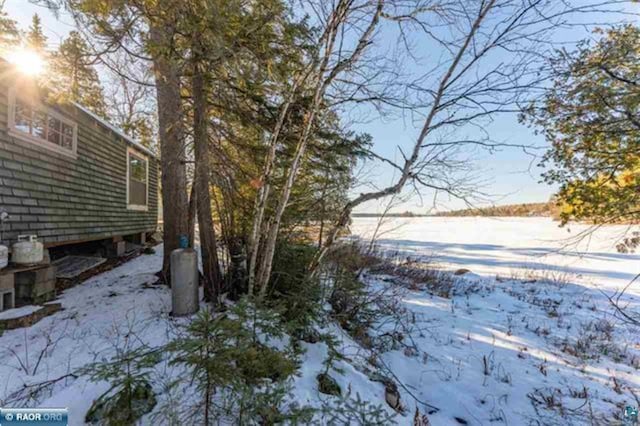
{"x": 509, "y": 175}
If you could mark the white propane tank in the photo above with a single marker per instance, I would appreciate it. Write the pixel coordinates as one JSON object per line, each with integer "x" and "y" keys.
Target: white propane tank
{"x": 4, "y": 256}
{"x": 27, "y": 250}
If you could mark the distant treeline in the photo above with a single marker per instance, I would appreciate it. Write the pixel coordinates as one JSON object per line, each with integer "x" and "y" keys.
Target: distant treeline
{"x": 526, "y": 209}
{"x": 403, "y": 214}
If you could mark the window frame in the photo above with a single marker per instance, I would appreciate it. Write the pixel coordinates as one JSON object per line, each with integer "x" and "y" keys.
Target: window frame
{"x": 138, "y": 154}
{"x": 49, "y": 113}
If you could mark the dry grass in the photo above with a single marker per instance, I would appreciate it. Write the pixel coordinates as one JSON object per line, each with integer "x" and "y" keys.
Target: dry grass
{"x": 543, "y": 276}
{"x": 417, "y": 276}
{"x": 594, "y": 340}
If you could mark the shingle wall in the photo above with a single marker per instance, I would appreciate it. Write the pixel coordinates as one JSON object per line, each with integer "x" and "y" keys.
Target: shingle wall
{"x": 62, "y": 199}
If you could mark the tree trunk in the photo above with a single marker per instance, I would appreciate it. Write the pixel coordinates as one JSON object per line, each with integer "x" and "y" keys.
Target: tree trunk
{"x": 264, "y": 272}
{"x": 208, "y": 244}
{"x": 174, "y": 179}
{"x": 323, "y": 210}
{"x": 263, "y": 193}
{"x": 237, "y": 269}
{"x": 191, "y": 221}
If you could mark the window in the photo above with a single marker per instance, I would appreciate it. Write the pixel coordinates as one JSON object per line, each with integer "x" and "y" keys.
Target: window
{"x": 42, "y": 126}
{"x": 137, "y": 180}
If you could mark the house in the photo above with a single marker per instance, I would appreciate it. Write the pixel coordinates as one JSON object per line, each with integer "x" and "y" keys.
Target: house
{"x": 68, "y": 176}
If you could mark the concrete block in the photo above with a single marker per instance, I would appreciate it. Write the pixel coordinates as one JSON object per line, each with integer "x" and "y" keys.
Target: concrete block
{"x": 35, "y": 291}
{"x": 7, "y": 292}
{"x": 33, "y": 276}
{"x": 6, "y": 282}
{"x": 46, "y": 257}
{"x": 44, "y": 297}
{"x": 7, "y": 300}
{"x": 35, "y": 286}
{"x": 116, "y": 249}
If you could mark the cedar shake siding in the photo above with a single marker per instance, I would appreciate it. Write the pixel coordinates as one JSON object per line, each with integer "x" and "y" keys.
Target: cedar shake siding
{"x": 73, "y": 197}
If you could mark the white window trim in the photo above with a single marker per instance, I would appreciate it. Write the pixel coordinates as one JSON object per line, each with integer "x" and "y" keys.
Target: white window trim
{"x": 20, "y": 135}
{"x": 137, "y": 207}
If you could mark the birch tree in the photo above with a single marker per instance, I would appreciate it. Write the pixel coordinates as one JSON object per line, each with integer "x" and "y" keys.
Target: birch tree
{"x": 331, "y": 60}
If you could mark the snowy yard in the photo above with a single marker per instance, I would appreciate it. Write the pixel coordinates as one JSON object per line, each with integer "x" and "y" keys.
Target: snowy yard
{"x": 527, "y": 337}
{"x": 95, "y": 317}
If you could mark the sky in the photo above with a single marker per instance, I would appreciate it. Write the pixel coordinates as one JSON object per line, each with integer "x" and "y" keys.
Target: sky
{"x": 507, "y": 177}
{"x": 55, "y": 29}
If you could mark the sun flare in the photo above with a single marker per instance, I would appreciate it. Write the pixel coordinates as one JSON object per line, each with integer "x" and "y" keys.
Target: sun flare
{"x": 27, "y": 61}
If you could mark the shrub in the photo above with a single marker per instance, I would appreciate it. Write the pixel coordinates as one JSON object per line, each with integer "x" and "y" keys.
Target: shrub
{"x": 594, "y": 339}
{"x": 357, "y": 309}
{"x": 261, "y": 362}
{"x": 226, "y": 356}
{"x": 130, "y": 395}
{"x": 349, "y": 410}
{"x": 420, "y": 276}
{"x": 123, "y": 407}
{"x": 293, "y": 293}
{"x": 328, "y": 385}
{"x": 353, "y": 257}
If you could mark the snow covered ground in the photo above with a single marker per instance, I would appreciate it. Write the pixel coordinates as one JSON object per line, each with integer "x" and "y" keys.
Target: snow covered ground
{"x": 517, "y": 351}
{"x": 527, "y": 337}
{"x": 95, "y": 317}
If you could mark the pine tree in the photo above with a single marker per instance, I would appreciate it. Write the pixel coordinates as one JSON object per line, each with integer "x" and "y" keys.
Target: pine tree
{"x": 36, "y": 40}
{"x": 75, "y": 78}
{"x": 9, "y": 34}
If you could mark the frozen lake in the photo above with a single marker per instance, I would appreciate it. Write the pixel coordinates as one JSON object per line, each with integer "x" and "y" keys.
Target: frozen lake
{"x": 510, "y": 246}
